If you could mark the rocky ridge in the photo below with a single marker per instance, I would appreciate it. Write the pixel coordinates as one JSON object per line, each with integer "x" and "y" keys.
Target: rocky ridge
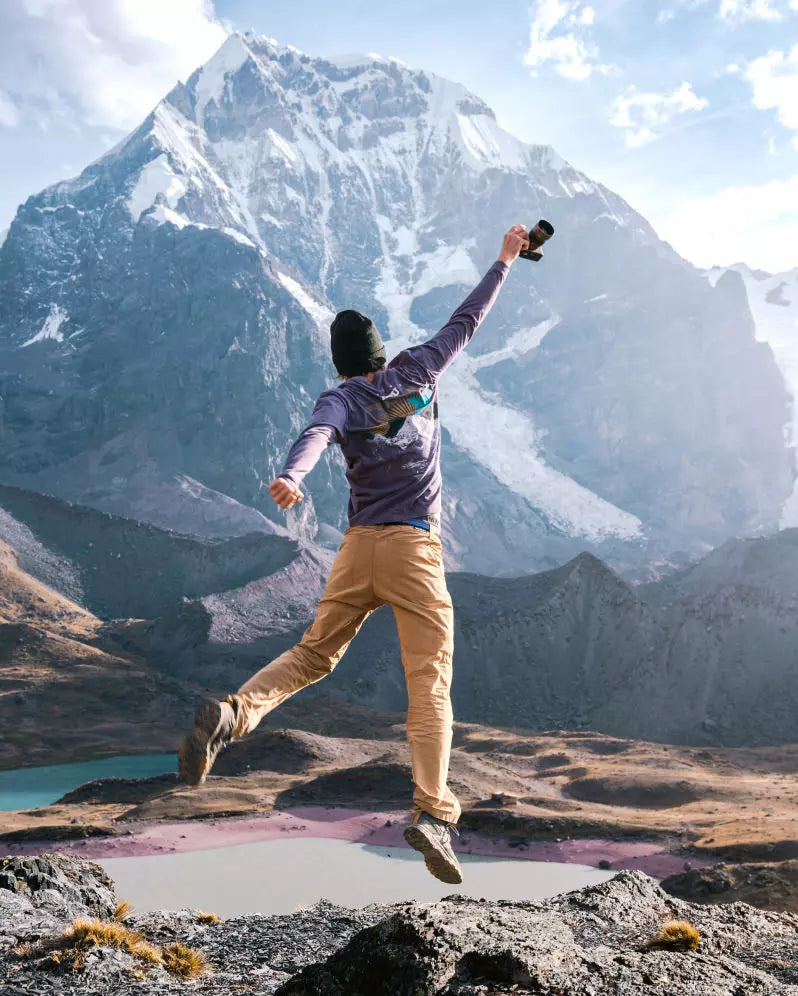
{"x": 577, "y": 647}
{"x": 591, "y": 941}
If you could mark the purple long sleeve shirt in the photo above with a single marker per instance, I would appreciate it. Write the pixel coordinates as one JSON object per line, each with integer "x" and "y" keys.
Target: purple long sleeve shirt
{"x": 388, "y": 428}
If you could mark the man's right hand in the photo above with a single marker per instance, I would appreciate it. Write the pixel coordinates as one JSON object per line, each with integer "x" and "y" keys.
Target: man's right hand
{"x": 514, "y": 241}
{"x": 284, "y": 493}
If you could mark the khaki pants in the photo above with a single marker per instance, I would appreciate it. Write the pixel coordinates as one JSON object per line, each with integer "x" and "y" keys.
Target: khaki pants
{"x": 402, "y": 567}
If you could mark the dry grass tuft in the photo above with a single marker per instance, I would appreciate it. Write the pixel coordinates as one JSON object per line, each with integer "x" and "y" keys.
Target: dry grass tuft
{"x": 207, "y": 918}
{"x": 68, "y": 951}
{"x": 123, "y": 910}
{"x": 99, "y": 934}
{"x": 678, "y": 935}
{"x": 183, "y": 961}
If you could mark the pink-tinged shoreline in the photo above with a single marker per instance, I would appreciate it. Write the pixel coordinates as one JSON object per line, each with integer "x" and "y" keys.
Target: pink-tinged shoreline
{"x": 384, "y": 829}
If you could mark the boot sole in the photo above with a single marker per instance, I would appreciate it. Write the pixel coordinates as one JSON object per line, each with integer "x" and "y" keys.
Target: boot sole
{"x": 194, "y": 757}
{"x": 437, "y": 863}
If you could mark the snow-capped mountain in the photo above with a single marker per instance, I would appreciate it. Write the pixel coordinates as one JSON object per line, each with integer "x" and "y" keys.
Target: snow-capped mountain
{"x": 163, "y": 322}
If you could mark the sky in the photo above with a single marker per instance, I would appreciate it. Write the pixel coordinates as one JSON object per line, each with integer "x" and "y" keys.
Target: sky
{"x": 686, "y": 108}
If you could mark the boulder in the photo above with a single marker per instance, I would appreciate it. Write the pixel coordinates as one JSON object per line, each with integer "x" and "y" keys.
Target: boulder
{"x": 589, "y": 942}
{"x": 57, "y": 882}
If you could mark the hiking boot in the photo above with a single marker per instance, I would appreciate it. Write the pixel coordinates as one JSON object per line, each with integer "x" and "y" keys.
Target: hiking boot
{"x": 213, "y": 727}
{"x": 432, "y": 837}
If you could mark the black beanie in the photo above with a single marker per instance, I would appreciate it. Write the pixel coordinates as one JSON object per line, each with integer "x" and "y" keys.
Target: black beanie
{"x": 356, "y": 344}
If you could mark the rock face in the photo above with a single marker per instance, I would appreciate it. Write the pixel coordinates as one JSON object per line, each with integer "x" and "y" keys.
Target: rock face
{"x": 588, "y": 942}
{"x": 163, "y": 327}
{"x": 767, "y": 564}
{"x": 773, "y": 301}
{"x": 770, "y": 885}
{"x": 60, "y": 884}
{"x": 120, "y": 567}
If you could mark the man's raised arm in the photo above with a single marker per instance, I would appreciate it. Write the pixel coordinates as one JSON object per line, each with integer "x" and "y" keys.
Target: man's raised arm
{"x": 327, "y": 425}
{"x": 423, "y": 364}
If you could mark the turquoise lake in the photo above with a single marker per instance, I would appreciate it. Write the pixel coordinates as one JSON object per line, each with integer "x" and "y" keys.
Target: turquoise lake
{"x": 28, "y": 788}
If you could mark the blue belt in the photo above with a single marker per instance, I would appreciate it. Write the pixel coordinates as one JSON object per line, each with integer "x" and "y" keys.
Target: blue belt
{"x": 419, "y": 523}
{"x": 423, "y": 523}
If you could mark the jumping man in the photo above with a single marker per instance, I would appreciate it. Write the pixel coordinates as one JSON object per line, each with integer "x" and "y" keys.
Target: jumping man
{"x": 385, "y": 419}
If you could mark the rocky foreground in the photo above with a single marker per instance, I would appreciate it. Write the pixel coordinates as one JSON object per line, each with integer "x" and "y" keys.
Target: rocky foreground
{"x": 587, "y": 943}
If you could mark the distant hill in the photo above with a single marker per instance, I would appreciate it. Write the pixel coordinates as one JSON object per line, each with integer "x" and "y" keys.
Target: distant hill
{"x": 704, "y": 656}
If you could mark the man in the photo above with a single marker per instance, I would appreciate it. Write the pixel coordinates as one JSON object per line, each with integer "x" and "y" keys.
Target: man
{"x": 386, "y": 421}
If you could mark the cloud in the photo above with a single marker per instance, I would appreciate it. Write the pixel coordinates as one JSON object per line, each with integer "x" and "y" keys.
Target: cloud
{"x": 749, "y": 10}
{"x": 733, "y": 11}
{"x": 9, "y": 115}
{"x": 102, "y": 63}
{"x": 754, "y": 224}
{"x": 644, "y": 115}
{"x": 774, "y": 80}
{"x": 555, "y": 38}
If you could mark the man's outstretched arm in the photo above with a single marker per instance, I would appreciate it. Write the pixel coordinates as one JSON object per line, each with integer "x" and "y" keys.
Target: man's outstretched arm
{"x": 425, "y": 363}
{"x": 327, "y": 425}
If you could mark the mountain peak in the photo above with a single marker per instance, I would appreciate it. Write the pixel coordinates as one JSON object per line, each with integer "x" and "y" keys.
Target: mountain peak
{"x": 211, "y": 78}
{"x": 177, "y": 293}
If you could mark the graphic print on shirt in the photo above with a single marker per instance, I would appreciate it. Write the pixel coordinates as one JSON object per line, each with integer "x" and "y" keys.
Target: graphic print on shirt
{"x": 394, "y": 412}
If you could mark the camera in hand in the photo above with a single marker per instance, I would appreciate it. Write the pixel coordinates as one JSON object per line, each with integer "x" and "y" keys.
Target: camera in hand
{"x": 541, "y": 233}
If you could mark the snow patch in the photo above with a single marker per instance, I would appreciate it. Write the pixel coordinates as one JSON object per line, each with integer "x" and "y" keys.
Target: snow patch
{"x": 51, "y": 328}
{"x": 244, "y": 167}
{"x": 517, "y": 345}
{"x": 270, "y": 219}
{"x": 184, "y": 142}
{"x": 213, "y": 75}
{"x": 406, "y": 241}
{"x": 610, "y": 216}
{"x": 489, "y": 144}
{"x": 354, "y": 60}
{"x": 239, "y": 237}
{"x": 282, "y": 145}
{"x": 445, "y": 266}
{"x": 157, "y": 179}
{"x": 320, "y": 313}
{"x": 161, "y": 215}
